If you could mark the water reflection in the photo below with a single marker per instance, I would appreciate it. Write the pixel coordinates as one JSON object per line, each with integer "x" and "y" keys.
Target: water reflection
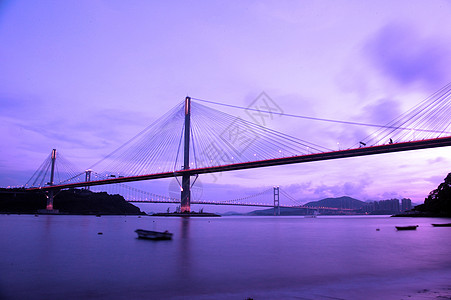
{"x": 184, "y": 259}
{"x": 250, "y": 257}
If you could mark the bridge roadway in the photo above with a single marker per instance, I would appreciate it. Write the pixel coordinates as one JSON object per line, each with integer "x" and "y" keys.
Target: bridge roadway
{"x": 371, "y": 150}
{"x": 241, "y": 204}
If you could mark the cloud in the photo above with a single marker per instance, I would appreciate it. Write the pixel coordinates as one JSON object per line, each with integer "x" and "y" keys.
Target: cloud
{"x": 353, "y": 189}
{"x": 436, "y": 179}
{"x": 402, "y": 54}
{"x": 22, "y": 107}
{"x": 382, "y": 112}
{"x": 390, "y": 195}
{"x": 308, "y": 191}
{"x": 30, "y": 128}
{"x": 439, "y": 159}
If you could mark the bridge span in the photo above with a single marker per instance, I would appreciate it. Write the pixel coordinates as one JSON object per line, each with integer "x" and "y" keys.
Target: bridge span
{"x": 163, "y": 148}
{"x": 244, "y": 204}
{"x": 362, "y": 151}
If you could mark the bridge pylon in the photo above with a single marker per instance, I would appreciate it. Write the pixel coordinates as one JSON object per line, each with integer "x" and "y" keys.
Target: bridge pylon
{"x": 50, "y": 194}
{"x": 276, "y": 201}
{"x": 88, "y": 178}
{"x": 185, "y": 205}
{"x": 52, "y": 175}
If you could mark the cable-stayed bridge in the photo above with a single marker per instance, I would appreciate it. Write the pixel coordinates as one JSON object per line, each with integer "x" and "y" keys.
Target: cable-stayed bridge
{"x": 193, "y": 139}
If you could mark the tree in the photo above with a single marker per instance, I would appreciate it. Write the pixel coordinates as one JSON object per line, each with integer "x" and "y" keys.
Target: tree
{"x": 439, "y": 200}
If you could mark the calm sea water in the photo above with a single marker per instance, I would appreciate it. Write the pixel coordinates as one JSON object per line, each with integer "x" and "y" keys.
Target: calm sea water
{"x": 64, "y": 257}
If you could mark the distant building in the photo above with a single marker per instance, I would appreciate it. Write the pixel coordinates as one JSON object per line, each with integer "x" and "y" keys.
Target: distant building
{"x": 383, "y": 207}
{"x": 390, "y": 206}
{"x": 406, "y": 204}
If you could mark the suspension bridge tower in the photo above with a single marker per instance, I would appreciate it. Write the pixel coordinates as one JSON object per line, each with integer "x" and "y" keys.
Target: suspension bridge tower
{"x": 186, "y": 187}
{"x": 276, "y": 201}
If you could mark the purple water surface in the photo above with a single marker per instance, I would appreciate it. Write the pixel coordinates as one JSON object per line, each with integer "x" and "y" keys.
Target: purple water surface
{"x": 64, "y": 257}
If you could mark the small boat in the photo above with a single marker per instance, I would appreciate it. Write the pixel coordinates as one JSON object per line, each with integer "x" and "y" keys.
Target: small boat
{"x": 442, "y": 225}
{"x": 412, "y": 227}
{"x": 153, "y": 235}
{"x": 314, "y": 215}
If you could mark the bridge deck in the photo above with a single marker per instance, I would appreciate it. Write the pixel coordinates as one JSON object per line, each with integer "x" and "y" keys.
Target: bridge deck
{"x": 380, "y": 149}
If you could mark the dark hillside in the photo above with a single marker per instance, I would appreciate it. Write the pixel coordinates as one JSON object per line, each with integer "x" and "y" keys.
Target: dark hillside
{"x": 74, "y": 201}
{"x": 340, "y": 202}
{"x": 438, "y": 202}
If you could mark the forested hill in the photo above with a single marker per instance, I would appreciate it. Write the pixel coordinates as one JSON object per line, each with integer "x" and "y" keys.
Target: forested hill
{"x": 438, "y": 202}
{"x": 341, "y": 202}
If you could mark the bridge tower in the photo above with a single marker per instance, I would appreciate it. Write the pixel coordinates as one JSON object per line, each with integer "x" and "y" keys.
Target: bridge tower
{"x": 186, "y": 188}
{"x": 276, "y": 201}
{"x": 52, "y": 175}
{"x": 88, "y": 178}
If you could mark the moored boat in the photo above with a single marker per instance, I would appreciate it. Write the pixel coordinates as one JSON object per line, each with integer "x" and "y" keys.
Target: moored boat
{"x": 442, "y": 225}
{"x": 411, "y": 227}
{"x": 153, "y": 235}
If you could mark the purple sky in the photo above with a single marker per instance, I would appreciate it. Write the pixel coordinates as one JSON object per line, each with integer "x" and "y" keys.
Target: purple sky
{"x": 85, "y": 76}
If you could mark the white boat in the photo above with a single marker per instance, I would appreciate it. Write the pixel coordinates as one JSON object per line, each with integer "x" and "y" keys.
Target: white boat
{"x": 153, "y": 235}
{"x": 315, "y": 213}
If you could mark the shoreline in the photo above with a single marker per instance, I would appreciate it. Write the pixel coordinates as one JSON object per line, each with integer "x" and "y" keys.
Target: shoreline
{"x": 421, "y": 215}
{"x": 69, "y": 214}
{"x": 185, "y": 215}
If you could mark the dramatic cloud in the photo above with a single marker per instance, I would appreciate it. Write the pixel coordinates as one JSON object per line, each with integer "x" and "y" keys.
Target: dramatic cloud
{"x": 399, "y": 52}
{"x": 353, "y": 189}
{"x": 87, "y": 87}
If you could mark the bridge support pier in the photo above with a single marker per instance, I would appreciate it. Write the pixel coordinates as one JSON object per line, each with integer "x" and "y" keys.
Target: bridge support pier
{"x": 50, "y": 201}
{"x": 185, "y": 205}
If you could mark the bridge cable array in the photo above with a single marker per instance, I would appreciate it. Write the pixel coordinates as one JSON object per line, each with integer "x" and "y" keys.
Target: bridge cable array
{"x": 322, "y": 119}
{"x": 64, "y": 171}
{"x": 427, "y": 120}
{"x": 217, "y": 139}
{"x": 297, "y": 202}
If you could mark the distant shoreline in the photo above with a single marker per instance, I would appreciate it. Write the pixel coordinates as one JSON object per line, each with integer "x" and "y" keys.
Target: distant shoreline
{"x": 420, "y": 215}
{"x": 71, "y": 214}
